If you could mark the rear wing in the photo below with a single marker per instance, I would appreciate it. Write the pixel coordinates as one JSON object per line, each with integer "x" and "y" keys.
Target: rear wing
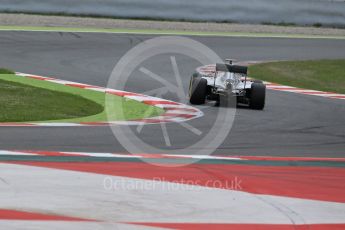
{"x": 231, "y": 68}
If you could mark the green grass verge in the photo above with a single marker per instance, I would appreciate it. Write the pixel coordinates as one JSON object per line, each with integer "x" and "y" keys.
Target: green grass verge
{"x": 324, "y": 75}
{"x": 6, "y": 71}
{"x": 21, "y": 99}
{"x": 162, "y": 32}
{"x": 20, "y": 102}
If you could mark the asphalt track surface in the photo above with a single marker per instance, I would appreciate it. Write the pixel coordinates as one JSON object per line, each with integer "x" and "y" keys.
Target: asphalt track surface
{"x": 290, "y": 125}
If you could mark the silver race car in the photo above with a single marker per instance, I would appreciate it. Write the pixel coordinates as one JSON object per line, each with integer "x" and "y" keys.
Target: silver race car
{"x": 226, "y": 84}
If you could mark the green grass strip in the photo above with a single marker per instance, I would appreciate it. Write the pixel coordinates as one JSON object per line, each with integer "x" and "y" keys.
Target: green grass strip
{"x": 21, "y": 102}
{"x": 6, "y": 71}
{"x": 324, "y": 75}
{"x": 163, "y": 32}
{"x": 131, "y": 109}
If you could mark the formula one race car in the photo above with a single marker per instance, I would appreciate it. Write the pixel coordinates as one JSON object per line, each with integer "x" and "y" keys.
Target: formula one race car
{"x": 224, "y": 83}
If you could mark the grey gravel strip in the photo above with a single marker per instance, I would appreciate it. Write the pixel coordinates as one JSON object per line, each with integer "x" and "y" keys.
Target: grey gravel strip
{"x": 62, "y": 21}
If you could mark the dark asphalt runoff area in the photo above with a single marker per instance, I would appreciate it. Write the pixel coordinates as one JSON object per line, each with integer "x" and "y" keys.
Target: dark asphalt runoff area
{"x": 290, "y": 125}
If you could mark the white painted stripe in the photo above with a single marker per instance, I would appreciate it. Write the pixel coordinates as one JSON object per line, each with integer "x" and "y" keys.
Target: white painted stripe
{"x": 295, "y": 90}
{"x": 63, "y": 82}
{"x": 281, "y": 87}
{"x": 326, "y": 95}
{"x": 205, "y": 157}
{"x": 26, "y": 74}
{"x": 171, "y": 106}
{"x": 87, "y": 154}
{"x": 116, "y": 91}
{"x": 150, "y": 98}
{"x": 182, "y": 112}
{"x": 126, "y": 156}
{"x": 160, "y": 118}
{"x": 97, "y": 89}
{"x": 57, "y": 124}
{"x": 102, "y": 155}
{"x": 306, "y": 91}
{"x": 14, "y": 153}
{"x": 22, "y": 74}
{"x": 128, "y": 123}
{"x": 137, "y": 98}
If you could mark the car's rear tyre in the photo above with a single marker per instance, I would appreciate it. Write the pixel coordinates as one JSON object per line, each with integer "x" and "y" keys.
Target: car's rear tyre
{"x": 258, "y": 96}
{"x": 197, "y": 90}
